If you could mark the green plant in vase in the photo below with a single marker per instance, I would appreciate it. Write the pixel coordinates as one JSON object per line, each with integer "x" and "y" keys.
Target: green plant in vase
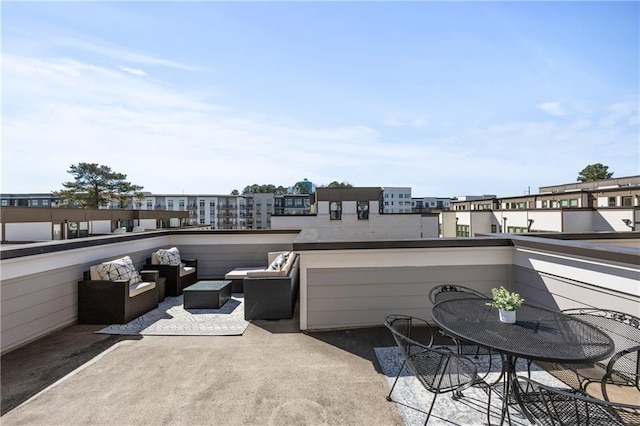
{"x": 507, "y": 303}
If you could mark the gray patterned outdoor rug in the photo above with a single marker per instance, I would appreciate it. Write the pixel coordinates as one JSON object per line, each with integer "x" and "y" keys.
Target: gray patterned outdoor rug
{"x": 171, "y": 319}
{"x": 413, "y": 399}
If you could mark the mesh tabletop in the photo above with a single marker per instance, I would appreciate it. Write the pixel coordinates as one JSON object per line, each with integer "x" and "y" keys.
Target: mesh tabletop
{"x": 539, "y": 334}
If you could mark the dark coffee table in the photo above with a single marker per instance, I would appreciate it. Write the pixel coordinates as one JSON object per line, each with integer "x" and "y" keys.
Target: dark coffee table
{"x": 207, "y": 294}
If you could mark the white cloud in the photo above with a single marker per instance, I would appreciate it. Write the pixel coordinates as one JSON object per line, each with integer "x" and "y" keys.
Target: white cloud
{"x": 625, "y": 112}
{"x": 121, "y": 53}
{"x": 554, "y": 108}
{"x": 133, "y": 71}
{"x": 61, "y": 112}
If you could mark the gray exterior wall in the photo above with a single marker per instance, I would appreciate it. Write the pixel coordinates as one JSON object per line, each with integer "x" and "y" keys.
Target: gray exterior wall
{"x": 352, "y": 297}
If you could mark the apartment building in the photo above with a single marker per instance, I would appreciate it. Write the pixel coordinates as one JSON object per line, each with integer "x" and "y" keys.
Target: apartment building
{"x": 356, "y": 214}
{"x": 29, "y": 200}
{"x": 429, "y": 204}
{"x": 396, "y": 199}
{"x": 597, "y": 206}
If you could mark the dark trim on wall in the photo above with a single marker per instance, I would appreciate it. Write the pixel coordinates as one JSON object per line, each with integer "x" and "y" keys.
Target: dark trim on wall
{"x": 78, "y": 243}
{"x": 608, "y": 252}
{"x": 398, "y": 244}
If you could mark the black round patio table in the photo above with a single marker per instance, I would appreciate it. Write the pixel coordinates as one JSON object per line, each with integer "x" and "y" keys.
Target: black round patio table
{"x": 539, "y": 334}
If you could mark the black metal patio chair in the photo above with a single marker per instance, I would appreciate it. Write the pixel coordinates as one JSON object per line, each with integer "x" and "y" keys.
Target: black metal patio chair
{"x": 444, "y": 292}
{"x": 555, "y": 406}
{"x": 439, "y": 370}
{"x": 621, "y": 368}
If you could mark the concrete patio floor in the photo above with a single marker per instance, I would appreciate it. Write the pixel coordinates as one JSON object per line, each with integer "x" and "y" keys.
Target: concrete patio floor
{"x": 273, "y": 374}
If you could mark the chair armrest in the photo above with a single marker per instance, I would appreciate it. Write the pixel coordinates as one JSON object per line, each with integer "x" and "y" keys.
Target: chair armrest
{"x": 624, "y": 356}
{"x": 150, "y": 276}
{"x": 105, "y": 285}
{"x": 190, "y": 262}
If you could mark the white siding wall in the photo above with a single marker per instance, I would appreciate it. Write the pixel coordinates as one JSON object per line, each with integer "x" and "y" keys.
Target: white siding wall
{"x": 561, "y": 281}
{"x": 577, "y": 221}
{"x": 386, "y": 226}
{"x": 148, "y": 223}
{"x": 611, "y": 220}
{"x": 346, "y": 288}
{"x": 430, "y": 226}
{"x": 548, "y": 221}
{"x": 100, "y": 227}
{"x": 28, "y": 231}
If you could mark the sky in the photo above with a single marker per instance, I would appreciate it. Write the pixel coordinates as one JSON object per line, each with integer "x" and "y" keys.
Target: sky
{"x": 449, "y": 98}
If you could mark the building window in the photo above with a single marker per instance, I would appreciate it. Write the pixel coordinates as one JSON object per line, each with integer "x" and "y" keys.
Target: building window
{"x": 363, "y": 210}
{"x": 544, "y": 204}
{"x": 494, "y": 229}
{"x": 516, "y": 230}
{"x": 462, "y": 230}
{"x": 181, "y": 204}
{"x": 400, "y": 195}
{"x": 612, "y": 201}
{"x": 335, "y": 210}
{"x": 564, "y": 203}
{"x": 170, "y": 205}
{"x": 573, "y": 202}
{"x": 626, "y": 201}
{"x": 5, "y": 203}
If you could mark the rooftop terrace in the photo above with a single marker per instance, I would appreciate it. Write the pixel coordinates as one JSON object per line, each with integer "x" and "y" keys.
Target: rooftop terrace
{"x": 318, "y": 368}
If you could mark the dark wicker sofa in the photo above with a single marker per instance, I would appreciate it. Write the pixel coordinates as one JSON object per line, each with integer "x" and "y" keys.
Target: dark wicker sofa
{"x": 272, "y": 297}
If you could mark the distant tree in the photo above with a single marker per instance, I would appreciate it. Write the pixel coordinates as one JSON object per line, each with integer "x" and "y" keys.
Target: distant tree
{"x": 593, "y": 172}
{"x": 96, "y": 185}
{"x": 264, "y": 189}
{"x": 336, "y": 184}
{"x": 235, "y": 192}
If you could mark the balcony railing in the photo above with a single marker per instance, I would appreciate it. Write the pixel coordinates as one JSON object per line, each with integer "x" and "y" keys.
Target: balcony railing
{"x": 343, "y": 284}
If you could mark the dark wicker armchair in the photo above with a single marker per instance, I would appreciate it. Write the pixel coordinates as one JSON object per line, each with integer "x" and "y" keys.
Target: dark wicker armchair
{"x": 438, "y": 369}
{"x": 178, "y": 276}
{"x": 554, "y": 406}
{"x": 112, "y": 302}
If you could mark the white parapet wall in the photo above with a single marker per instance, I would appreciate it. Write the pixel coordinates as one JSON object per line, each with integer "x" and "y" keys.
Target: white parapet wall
{"x": 564, "y": 275}
{"x": 39, "y": 281}
{"x": 359, "y": 287}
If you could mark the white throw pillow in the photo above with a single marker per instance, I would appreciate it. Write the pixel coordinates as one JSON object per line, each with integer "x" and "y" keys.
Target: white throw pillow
{"x": 119, "y": 269}
{"x": 169, "y": 257}
{"x": 278, "y": 262}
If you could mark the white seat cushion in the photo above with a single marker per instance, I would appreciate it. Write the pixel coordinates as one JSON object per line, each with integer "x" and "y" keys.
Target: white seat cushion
{"x": 186, "y": 270}
{"x": 240, "y": 273}
{"x": 141, "y": 287}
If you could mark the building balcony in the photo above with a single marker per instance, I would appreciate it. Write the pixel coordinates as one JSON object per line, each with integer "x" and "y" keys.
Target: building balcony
{"x": 311, "y": 366}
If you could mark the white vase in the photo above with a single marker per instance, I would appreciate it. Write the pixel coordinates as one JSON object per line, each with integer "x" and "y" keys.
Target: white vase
{"x": 507, "y": 316}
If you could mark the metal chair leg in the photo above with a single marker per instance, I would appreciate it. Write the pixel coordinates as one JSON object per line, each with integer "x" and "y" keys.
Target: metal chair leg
{"x": 396, "y": 380}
